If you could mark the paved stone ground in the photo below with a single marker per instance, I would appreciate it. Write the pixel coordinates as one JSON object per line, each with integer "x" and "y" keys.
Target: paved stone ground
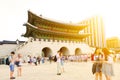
{"x": 47, "y": 71}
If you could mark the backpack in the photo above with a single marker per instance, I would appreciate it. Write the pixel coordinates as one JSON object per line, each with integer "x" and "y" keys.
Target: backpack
{"x": 55, "y": 58}
{"x": 7, "y": 61}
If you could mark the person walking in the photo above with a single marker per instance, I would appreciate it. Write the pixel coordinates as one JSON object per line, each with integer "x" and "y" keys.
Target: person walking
{"x": 19, "y": 65}
{"x": 35, "y": 60}
{"x": 97, "y": 65}
{"x": 62, "y": 63}
{"x": 38, "y": 59}
{"x": 50, "y": 59}
{"x": 12, "y": 59}
{"x": 58, "y": 56}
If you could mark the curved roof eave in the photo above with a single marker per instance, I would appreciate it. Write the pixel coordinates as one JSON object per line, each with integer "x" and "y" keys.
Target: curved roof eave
{"x": 59, "y": 24}
{"x": 54, "y": 32}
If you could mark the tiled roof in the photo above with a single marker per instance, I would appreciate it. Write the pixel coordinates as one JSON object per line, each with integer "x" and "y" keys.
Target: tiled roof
{"x": 9, "y": 42}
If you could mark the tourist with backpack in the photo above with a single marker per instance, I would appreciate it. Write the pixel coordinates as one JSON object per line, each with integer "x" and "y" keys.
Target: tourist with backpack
{"x": 12, "y": 59}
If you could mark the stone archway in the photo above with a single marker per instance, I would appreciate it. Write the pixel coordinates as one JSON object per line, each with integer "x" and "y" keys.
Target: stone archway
{"x": 78, "y": 51}
{"x": 46, "y": 52}
{"x": 64, "y": 50}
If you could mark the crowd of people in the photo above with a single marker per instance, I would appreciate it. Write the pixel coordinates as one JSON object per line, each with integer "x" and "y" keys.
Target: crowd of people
{"x": 102, "y": 63}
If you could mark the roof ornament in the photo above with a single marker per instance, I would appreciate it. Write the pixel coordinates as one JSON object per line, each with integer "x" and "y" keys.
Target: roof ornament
{"x": 40, "y": 15}
{"x": 17, "y": 41}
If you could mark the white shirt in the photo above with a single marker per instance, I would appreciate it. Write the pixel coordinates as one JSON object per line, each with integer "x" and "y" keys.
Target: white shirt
{"x": 58, "y": 58}
{"x": 12, "y": 59}
{"x": 110, "y": 59}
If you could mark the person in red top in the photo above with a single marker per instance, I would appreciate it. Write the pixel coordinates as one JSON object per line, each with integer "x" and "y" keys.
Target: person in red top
{"x": 92, "y": 57}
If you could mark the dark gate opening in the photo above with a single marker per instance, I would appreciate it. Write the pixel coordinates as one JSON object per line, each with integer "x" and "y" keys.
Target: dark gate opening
{"x": 65, "y": 51}
{"x": 46, "y": 52}
{"x": 78, "y": 51}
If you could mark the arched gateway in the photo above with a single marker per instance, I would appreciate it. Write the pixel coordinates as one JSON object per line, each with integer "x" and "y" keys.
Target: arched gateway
{"x": 64, "y": 50}
{"x": 77, "y": 51}
{"x": 48, "y": 36}
{"x": 46, "y": 52}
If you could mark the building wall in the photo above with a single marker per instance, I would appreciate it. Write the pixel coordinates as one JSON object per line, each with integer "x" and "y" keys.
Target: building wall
{"x": 35, "y": 47}
{"x": 113, "y": 42}
{"x": 5, "y": 49}
{"x": 96, "y": 28}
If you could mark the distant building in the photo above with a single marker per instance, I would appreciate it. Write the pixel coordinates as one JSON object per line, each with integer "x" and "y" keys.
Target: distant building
{"x": 7, "y": 46}
{"x": 96, "y": 28}
{"x": 113, "y": 42}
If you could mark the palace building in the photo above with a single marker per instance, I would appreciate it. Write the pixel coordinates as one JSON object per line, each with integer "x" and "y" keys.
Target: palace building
{"x": 47, "y": 36}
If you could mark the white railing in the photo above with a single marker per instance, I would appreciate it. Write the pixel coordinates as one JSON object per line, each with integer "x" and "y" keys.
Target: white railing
{"x": 21, "y": 45}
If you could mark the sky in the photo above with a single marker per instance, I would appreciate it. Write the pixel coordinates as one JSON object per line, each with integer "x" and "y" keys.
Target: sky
{"x": 13, "y": 14}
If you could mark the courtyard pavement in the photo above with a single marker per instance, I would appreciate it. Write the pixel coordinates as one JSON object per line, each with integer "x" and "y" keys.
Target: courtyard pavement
{"x": 47, "y": 71}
